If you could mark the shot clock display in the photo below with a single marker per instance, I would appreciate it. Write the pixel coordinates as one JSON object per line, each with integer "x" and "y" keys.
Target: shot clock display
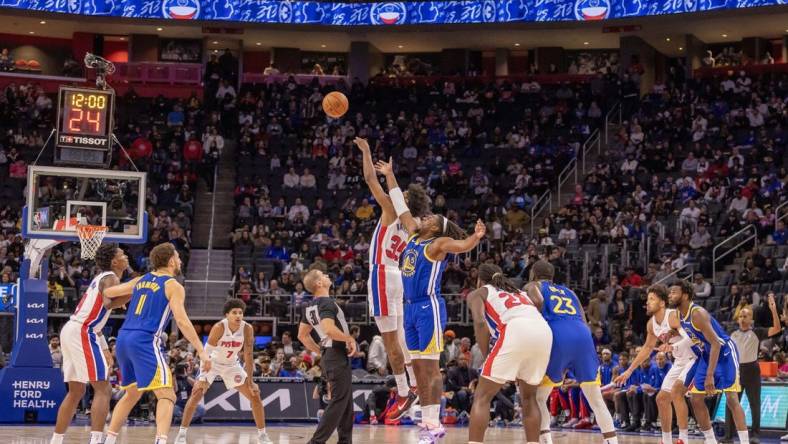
{"x": 85, "y": 118}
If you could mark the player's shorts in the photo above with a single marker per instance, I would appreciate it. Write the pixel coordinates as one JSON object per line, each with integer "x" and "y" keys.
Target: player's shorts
{"x": 83, "y": 360}
{"x": 141, "y": 360}
{"x": 232, "y": 375}
{"x": 425, "y": 321}
{"x": 726, "y": 375}
{"x": 677, "y": 372}
{"x": 573, "y": 349}
{"x": 385, "y": 291}
{"x": 520, "y": 353}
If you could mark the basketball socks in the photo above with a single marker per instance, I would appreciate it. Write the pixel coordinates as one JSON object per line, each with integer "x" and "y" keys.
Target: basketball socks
{"x": 57, "y": 438}
{"x": 402, "y": 385}
{"x": 684, "y": 436}
{"x": 613, "y": 440}
{"x": 96, "y": 437}
{"x": 111, "y": 438}
{"x": 708, "y": 437}
{"x": 667, "y": 438}
{"x": 181, "y": 434}
{"x": 431, "y": 415}
{"x": 546, "y": 438}
{"x": 161, "y": 439}
{"x": 744, "y": 437}
{"x": 411, "y": 374}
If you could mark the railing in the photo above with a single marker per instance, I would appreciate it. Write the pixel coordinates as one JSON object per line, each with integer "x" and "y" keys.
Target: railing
{"x": 778, "y": 210}
{"x": 614, "y": 113}
{"x": 542, "y": 202}
{"x": 594, "y": 140}
{"x": 751, "y": 234}
{"x": 569, "y": 170}
{"x": 158, "y": 72}
{"x": 687, "y": 267}
{"x": 301, "y": 79}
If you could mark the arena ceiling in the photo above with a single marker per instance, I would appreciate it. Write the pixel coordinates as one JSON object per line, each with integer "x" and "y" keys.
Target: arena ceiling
{"x": 665, "y": 33}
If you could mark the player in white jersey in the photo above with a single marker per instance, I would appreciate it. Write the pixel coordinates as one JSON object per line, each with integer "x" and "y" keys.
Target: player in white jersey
{"x": 385, "y": 280}
{"x": 664, "y": 327}
{"x": 227, "y": 340}
{"x": 521, "y": 352}
{"x": 86, "y": 357}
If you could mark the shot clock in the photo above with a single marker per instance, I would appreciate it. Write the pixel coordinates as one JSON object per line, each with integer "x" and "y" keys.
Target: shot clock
{"x": 84, "y": 125}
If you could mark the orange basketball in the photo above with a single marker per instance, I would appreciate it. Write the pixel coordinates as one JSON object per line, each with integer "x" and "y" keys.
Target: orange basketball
{"x": 335, "y": 104}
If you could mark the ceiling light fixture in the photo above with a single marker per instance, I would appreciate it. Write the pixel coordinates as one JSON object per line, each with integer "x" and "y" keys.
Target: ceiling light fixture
{"x": 32, "y": 32}
{"x": 215, "y": 42}
{"x": 258, "y": 43}
{"x": 399, "y": 46}
{"x": 322, "y": 46}
{"x": 585, "y": 43}
{"x": 724, "y": 35}
{"x": 681, "y": 48}
{"x": 43, "y": 22}
{"x": 667, "y": 39}
{"x": 516, "y": 44}
{"x": 160, "y": 29}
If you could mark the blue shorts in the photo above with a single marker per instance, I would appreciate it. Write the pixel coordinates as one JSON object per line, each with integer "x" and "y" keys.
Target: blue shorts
{"x": 141, "y": 361}
{"x": 726, "y": 374}
{"x": 573, "y": 350}
{"x": 424, "y": 324}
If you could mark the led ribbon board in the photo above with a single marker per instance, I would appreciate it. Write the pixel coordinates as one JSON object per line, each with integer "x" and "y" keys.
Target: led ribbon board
{"x": 383, "y": 13}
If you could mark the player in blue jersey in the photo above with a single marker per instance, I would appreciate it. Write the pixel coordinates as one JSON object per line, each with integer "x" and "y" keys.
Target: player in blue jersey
{"x": 572, "y": 350}
{"x": 422, "y": 264}
{"x": 717, "y": 367}
{"x": 155, "y": 298}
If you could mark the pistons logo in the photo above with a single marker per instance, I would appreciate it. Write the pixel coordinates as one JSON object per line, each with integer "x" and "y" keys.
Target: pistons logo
{"x": 180, "y": 9}
{"x": 592, "y": 9}
{"x": 388, "y": 13}
{"x": 238, "y": 379}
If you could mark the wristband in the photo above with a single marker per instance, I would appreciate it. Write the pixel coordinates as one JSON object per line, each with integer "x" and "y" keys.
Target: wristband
{"x": 102, "y": 341}
{"x": 398, "y": 200}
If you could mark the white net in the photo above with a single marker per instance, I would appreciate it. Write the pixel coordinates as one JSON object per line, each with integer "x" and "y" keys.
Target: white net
{"x": 90, "y": 237}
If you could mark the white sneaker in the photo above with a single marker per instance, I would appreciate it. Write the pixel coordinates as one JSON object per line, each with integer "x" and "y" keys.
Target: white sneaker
{"x": 263, "y": 439}
{"x": 784, "y": 438}
{"x": 181, "y": 438}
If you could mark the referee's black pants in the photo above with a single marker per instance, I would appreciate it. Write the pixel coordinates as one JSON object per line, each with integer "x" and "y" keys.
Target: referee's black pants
{"x": 750, "y": 381}
{"x": 339, "y": 412}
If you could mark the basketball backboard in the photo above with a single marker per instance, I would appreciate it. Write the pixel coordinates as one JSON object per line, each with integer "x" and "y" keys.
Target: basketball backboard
{"x": 59, "y": 198}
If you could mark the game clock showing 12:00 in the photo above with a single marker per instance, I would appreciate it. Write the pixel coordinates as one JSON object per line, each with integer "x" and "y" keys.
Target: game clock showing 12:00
{"x": 85, "y": 118}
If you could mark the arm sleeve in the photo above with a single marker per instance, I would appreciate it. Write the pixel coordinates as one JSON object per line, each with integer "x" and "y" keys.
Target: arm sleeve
{"x": 327, "y": 309}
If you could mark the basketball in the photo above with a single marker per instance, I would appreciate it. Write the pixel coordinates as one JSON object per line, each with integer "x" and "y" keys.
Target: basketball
{"x": 335, "y": 104}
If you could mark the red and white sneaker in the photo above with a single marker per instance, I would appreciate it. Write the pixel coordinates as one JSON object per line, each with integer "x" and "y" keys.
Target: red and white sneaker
{"x": 584, "y": 424}
{"x": 403, "y": 405}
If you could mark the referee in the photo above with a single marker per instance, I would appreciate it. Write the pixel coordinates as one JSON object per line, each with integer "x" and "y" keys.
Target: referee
{"x": 748, "y": 339}
{"x": 324, "y": 316}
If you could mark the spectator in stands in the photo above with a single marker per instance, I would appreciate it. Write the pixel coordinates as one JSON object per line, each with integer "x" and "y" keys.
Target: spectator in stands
{"x": 364, "y": 212}
{"x": 700, "y": 240}
{"x": 780, "y": 235}
{"x": 55, "y": 351}
{"x": 291, "y": 179}
{"x": 459, "y": 380}
{"x": 307, "y": 180}
{"x": 298, "y": 210}
{"x": 702, "y": 288}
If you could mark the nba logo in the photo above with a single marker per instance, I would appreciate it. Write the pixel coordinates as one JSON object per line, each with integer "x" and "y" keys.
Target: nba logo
{"x": 592, "y": 9}
{"x": 180, "y": 9}
{"x": 388, "y": 14}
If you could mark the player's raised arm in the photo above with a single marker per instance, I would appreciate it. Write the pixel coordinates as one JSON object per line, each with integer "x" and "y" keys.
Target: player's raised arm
{"x": 443, "y": 245}
{"x": 476, "y": 300}
{"x": 700, "y": 317}
{"x": 371, "y": 179}
{"x": 122, "y": 290}
{"x": 176, "y": 295}
{"x": 643, "y": 354}
{"x": 397, "y": 198}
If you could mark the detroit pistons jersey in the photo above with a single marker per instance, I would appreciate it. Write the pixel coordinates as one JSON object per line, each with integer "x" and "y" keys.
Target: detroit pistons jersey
{"x": 662, "y": 330}
{"x": 149, "y": 308}
{"x": 500, "y": 307}
{"x": 91, "y": 310}
{"x": 697, "y": 336}
{"x": 421, "y": 275}
{"x": 387, "y": 244}
{"x": 230, "y": 344}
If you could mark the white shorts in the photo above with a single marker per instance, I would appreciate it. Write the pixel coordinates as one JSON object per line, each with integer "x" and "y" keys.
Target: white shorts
{"x": 385, "y": 292}
{"x": 83, "y": 360}
{"x": 387, "y": 324}
{"x": 232, "y": 375}
{"x": 521, "y": 352}
{"x": 678, "y": 372}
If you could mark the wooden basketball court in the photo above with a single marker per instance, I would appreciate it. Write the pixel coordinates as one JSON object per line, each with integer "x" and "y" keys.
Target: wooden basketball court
{"x": 299, "y": 434}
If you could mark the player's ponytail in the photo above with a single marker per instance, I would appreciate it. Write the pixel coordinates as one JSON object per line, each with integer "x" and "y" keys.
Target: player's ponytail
{"x": 490, "y": 274}
{"x": 450, "y": 229}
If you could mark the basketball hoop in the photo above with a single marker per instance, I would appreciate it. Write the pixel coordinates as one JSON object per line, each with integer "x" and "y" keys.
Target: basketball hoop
{"x": 90, "y": 237}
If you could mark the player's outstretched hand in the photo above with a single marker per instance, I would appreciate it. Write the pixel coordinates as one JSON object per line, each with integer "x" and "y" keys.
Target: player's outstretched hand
{"x": 351, "y": 347}
{"x": 772, "y": 303}
{"x": 205, "y": 362}
{"x": 622, "y": 378}
{"x": 361, "y": 143}
{"x": 480, "y": 229}
{"x": 384, "y": 168}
